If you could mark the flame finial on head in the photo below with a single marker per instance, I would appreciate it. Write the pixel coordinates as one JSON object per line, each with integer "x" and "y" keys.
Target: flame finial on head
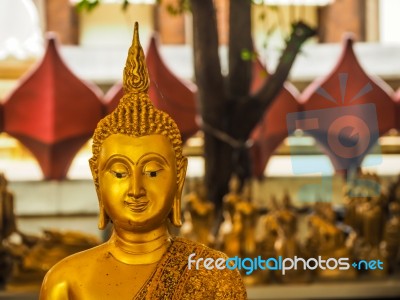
{"x": 136, "y": 76}
{"x": 135, "y": 114}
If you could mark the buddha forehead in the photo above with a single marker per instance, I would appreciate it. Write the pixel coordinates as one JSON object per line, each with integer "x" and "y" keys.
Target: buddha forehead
{"x": 136, "y": 147}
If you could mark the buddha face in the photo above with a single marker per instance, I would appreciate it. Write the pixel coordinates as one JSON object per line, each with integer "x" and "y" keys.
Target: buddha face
{"x": 137, "y": 180}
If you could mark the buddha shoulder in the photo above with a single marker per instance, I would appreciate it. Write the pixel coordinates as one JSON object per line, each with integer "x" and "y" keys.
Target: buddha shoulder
{"x": 63, "y": 274}
{"x": 81, "y": 259}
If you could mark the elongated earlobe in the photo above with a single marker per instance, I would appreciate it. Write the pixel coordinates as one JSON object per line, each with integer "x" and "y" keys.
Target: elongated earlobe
{"x": 175, "y": 216}
{"x": 103, "y": 218}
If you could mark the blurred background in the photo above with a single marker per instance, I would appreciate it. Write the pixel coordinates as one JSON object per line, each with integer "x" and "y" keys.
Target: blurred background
{"x": 61, "y": 65}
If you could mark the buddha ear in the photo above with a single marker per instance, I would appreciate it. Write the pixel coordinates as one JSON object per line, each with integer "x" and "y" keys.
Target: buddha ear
{"x": 175, "y": 216}
{"x": 103, "y": 217}
{"x": 93, "y": 170}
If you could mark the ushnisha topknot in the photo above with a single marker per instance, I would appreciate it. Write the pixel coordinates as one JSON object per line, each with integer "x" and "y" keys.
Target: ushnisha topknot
{"x": 136, "y": 76}
{"x": 135, "y": 114}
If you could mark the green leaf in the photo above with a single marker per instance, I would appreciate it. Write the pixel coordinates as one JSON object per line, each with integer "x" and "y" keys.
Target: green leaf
{"x": 86, "y": 5}
{"x": 247, "y": 55}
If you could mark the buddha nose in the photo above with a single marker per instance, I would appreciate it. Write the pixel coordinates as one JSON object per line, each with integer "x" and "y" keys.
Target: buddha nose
{"x": 136, "y": 188}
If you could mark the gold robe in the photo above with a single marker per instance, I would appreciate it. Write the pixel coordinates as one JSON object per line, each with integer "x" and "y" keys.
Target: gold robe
{"x": 173, "y": 280}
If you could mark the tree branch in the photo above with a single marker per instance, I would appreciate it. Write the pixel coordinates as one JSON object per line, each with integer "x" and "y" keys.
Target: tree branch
{"x": 240, "y": 48}
{"x": 206, "y": 61}
{"x": 253, "y": 107}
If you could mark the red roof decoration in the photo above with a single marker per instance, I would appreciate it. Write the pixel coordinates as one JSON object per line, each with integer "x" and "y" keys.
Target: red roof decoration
{"x": 1, "y": 118}
{"x": 348, "y": 97}
{"x": 52, "y": 112}
{"x": 170, "y": 94}
{"x": 397, "y": 99}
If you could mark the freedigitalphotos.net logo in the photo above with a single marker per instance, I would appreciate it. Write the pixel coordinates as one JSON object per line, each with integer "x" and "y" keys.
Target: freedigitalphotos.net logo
{"x": 347, "y": 131}
{"x": 249, "y": 265}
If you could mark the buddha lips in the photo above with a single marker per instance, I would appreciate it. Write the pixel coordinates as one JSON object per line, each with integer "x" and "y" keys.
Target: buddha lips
{"x": 137, "y": 205}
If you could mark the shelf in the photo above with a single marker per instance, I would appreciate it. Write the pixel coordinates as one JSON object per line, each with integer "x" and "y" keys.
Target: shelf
{"x": 361, "y": 289}
{"x": 388, "y": 288}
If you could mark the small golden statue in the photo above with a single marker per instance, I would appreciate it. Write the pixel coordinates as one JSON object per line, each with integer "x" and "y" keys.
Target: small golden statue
{"x": 327, "y": 239}
{"x": 7, "y": 228}
{"x": 391, "y": 238}
{"x": 229, "y": 232}
{"x": 7, "y": 217}
{"x": 231, "y": 199}
{"x": 200, "y": 212}
{"x": 266, "y": 235}
{"x": 286, "y": 244}
{"x": 25, "y": 258}
{"x": 365, "y": 214}
{"x": 139, "y": 171}
{"x": 245, "y": 219}
{"x": 268, "y": 230}
{"x": 248, "y": 218}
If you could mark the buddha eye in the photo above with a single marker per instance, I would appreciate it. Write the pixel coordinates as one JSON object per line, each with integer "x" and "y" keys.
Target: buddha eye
{"x": 152, "y": 174}
{"x": 119, "y": 174}
{"x": 119, "y": 171}
{"x": 152, "y": 169}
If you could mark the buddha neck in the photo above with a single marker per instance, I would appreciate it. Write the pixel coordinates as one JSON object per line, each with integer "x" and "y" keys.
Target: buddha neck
{"x": 140, "y": 248}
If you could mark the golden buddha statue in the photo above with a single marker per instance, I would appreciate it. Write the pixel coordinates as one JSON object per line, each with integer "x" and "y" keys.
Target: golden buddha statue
{"x": 249, "y": 217}
{"x": 7, "y": 217}
{"x": 326, "y": 239}
{"x": 7, "y": 228}
{"x": 391, "y": 238}
{"x": 286, "y": 243}
{"x": 232, "y": 197}
{"x": 236, "y": 234}
{"x": 200, "y": 212}
{"x": 139, "y": 171}
{"x": 268, "y": 230}
{"x": 228, "y": 237}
